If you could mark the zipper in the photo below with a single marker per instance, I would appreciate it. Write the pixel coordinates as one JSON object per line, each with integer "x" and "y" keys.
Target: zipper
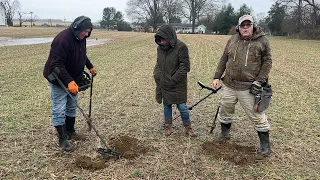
{"x": 247, "y": 53}
{"x": 235, "y": 52}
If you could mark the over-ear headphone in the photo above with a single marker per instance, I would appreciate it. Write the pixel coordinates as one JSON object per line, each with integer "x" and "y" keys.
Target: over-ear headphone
{"x": 253, "y": 24}
{"x": 75, "y": 24}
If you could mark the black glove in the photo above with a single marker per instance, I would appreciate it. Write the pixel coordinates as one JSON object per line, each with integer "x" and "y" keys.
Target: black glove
{"x": 255, "y": 88}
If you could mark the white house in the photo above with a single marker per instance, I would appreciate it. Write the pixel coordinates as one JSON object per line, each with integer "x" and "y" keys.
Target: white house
{"x": 3, "y": 20}
{"x": 187, "y": 28}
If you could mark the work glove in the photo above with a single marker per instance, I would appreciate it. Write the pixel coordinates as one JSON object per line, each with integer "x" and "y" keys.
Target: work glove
{"x": 255, "y": 88}
{"x": 73, "y": 87}
{"x": 93, "y": 71}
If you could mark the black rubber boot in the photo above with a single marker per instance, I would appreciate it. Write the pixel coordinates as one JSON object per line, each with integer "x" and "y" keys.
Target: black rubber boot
{"x": 264, "y": 143}
{"x": 71, "y": 132}
{"x": 62, "y": 135}
{"x": 225, "y": 129}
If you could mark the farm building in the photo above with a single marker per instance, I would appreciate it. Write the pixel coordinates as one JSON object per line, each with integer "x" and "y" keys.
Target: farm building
{"x": 3, "y": 20}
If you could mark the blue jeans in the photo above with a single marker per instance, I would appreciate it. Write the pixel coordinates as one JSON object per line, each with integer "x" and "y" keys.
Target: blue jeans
{"x": 183, "y": 109}
{"x": 62, "y": 105}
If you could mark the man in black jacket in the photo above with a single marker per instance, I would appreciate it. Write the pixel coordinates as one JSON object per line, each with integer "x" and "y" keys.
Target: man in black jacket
{"x": 68, "y": 53}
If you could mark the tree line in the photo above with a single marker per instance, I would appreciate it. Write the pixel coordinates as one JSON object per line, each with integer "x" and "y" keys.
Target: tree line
{"x": 298, "y": 18}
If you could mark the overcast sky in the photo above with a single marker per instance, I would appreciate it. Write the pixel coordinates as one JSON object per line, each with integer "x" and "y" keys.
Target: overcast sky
{"x": 70, "y": 9}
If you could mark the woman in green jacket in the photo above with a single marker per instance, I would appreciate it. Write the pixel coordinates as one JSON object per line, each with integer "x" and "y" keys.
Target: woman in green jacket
{"x": 170, "y": 74}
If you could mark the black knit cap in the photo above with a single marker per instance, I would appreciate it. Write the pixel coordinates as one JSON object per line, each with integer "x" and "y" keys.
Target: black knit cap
{"x": 80, "y": 24}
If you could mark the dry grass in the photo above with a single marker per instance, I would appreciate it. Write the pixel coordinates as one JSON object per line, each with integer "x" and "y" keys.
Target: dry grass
{"x": 123, "y": 103}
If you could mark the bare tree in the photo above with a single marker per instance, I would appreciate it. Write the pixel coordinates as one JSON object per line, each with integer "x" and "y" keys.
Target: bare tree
{"x": 10, "y": 7}
{"x": 20, "y": 17}
{"x": 172, "y": 10}
{"x": 149, "y": 11}
{"x": 303, "y": 16}
{"x": 198, "y": 9}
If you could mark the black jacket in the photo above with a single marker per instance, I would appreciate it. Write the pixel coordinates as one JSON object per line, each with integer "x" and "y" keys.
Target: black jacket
{"x": 68, "y": 53}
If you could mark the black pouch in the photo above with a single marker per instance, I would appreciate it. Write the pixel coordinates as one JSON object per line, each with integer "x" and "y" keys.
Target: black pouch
{"x": 262, "y": 100}
{"x": 83, "y": 81}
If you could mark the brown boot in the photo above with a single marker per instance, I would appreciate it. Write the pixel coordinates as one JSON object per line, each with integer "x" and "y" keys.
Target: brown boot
{"x": 189, "y": 131}
{"x": 168, "y": 130}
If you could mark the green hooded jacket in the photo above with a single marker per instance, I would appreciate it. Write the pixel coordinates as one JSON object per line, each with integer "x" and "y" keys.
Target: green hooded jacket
{"x": 245, "y": 61}
{"x": 170, "y": 71}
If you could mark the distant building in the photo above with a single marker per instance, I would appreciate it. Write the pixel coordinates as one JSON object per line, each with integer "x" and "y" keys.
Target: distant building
{"x": 187, "y": 28}
{"x": 3, "y": 20}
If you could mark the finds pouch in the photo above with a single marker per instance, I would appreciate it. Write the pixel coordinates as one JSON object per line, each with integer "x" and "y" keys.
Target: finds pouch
{"x": 263, "y": 99}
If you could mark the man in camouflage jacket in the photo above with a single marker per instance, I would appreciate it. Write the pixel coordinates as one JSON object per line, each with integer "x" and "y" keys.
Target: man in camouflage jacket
{"x": 244, "y": 65}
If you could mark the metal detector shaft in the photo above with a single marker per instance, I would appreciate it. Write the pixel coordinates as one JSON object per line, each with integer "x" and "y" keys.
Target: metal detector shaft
{"x": 81, "y": 110}
{"x": 213, "y": 91}
{"x": 71, "y": 96}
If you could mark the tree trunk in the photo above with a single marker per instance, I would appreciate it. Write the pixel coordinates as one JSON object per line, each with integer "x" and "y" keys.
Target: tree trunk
{"x": 299, "y": 17}
{"x": 9, "y": 22}
{"x": 193, "y": 15}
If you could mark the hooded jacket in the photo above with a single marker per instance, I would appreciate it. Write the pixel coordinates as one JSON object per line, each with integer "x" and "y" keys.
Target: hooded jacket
{"x": 170, "y": 71}
{"x": 245, "y": 60}
{"x": 68, "y": 53}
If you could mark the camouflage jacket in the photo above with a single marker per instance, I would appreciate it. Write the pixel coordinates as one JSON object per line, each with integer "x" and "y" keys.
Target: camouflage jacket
{"x": 244, "y": 61}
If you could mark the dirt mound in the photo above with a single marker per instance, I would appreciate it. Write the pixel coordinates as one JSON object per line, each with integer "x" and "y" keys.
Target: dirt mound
{"x": 86, "y": 162}
{"x": 127, "y": 146}
{"x": 229, "y": 151}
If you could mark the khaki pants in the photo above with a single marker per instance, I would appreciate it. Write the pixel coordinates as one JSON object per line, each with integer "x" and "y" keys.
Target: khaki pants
{"x": 227, "y": 108}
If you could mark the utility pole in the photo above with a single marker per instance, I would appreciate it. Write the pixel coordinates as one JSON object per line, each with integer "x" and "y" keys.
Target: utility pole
{"x": 31, "y": 18}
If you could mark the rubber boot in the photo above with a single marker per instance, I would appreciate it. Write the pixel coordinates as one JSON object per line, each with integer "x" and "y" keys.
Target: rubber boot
{"x": 71, "y": 133}
{"x": 188, "y": 130}
{"x": 225, "y": 129}
{"x": 264, "y": 143}
{"x": 62, "y": 135}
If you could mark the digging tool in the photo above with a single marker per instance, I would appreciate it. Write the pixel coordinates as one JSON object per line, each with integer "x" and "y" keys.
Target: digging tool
{"x": 214, "y": 121}
{"x": 102, "y": 151}
{"x": 90, "y": 102}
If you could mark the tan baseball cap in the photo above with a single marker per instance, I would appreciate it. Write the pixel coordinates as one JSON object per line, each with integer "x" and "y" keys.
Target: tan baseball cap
{"x": 245, "y": 17}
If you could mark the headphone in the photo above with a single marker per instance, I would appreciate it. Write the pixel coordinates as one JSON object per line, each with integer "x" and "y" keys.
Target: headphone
{"x": 75, "y": 24}
{"x": 253, "y": 24}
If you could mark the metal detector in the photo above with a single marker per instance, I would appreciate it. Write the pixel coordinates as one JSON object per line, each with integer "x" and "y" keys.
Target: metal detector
{"x": 213, "y": 91}
{"x": 103, "y": 151}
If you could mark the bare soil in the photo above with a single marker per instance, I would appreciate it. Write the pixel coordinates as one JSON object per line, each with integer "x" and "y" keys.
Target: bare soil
{"x": 232, "y": 152}
{"x": 127, "y": 146}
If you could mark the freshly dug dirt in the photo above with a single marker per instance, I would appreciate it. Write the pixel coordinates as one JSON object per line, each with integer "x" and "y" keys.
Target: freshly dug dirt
{"x": 229, "y": 151}
{"x": 127, "y": 146}
{"x": 86, "y": 162}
